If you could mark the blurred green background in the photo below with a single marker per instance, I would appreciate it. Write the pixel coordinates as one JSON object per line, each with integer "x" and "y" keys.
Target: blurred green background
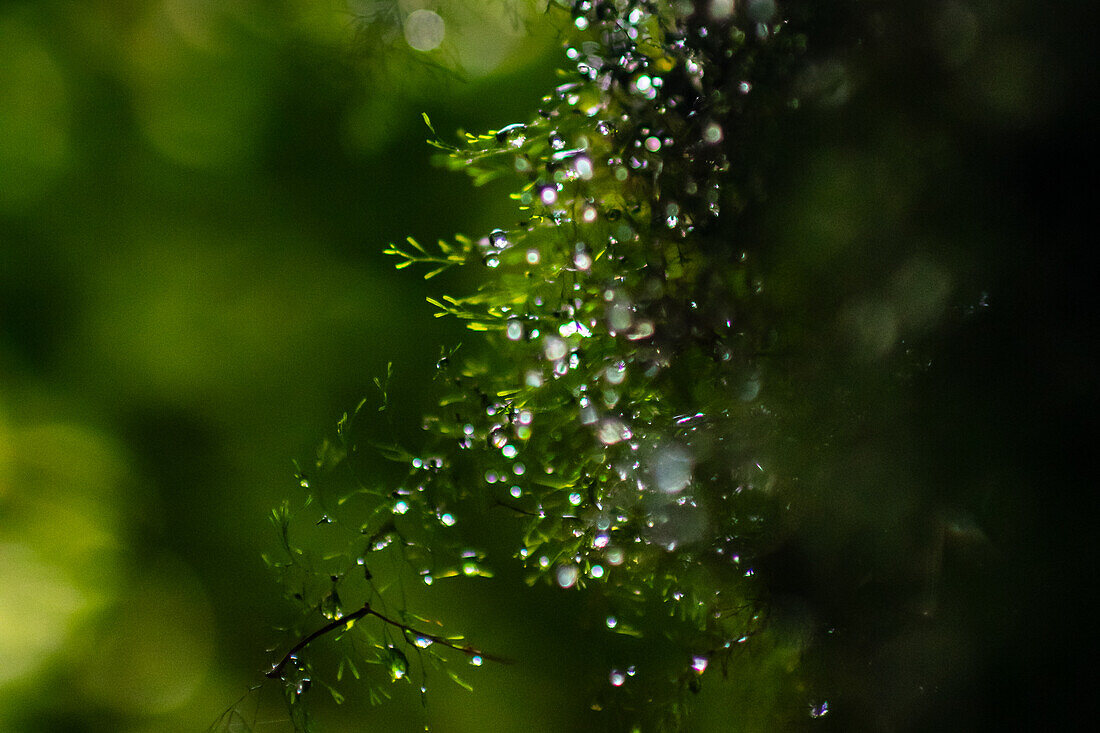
{"x": 194, "y": 196}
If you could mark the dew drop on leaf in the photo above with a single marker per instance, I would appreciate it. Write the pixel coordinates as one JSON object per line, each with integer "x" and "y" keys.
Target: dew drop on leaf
{"x": 567, "y": 575}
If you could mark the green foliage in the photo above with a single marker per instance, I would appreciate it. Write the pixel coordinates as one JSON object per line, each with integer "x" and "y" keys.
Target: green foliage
{"x": 616, "y": 416}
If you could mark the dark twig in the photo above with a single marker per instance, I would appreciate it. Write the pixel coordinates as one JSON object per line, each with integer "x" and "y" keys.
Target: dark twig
{"x": 366, "y": 610}
{"x": 516, "y": 509}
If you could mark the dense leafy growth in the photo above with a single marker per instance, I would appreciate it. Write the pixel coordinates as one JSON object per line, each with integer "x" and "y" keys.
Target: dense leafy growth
{"x": 636, "y": 420}
{"x": 618, "y": 414}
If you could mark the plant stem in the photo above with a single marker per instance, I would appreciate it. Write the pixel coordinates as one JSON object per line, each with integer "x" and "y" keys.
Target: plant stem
{"x": 366, "y": 610}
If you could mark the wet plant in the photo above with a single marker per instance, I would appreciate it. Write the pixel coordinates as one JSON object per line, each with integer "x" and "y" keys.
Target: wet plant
{"x": 623, "y": 418}
{"x": 617, "y": 408}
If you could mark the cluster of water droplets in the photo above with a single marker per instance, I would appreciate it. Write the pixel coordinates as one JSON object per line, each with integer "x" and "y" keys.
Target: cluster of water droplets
{"x": 575, "y": 423}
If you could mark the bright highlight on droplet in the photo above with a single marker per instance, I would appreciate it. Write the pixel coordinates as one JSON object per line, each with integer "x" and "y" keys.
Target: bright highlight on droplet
{"x": 567, "y": 575}
{"x": 554, "y": 348}
{"x": 424, "y": 30}
{"x": 699, "y": 664}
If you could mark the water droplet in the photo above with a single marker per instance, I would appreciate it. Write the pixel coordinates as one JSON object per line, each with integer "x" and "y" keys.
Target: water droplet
{"x": 673, "y": 468}
{"x": 398, "y": 663}
{"x": 533, "y": 257}
{"x": 519, "y": 469}
{"x": 721, "y": 9}
{"x": 614, "y": 556}
{"x": 612, "y": 431}
{"x": 509, "y": 451}
{"x": 514, "y": 330}
{"x": 447, "y": 520}
{"x": 819, "y": 710}
{"x": 548, "y": 195}
{"x": 575, "y": 498}
{"x": 600, "y": 540}
{"x": 567, "y": 575}
{"x": 642, "y": 330}
{"x": 553, "y": 348}
{"x": 424, "y": 30}
{"x": 400, "y": 507}
{"x": 596, "y": 571}
{"x": 699, "y": 664}
{"x": 620, "y": 316}
{"x": 616, "y": 678}
{"x": 514, "y": 135}
{"x": 712, "y": 133}
{"x": 476, "y": 660}
{"x": 616, "y": 373}
{"x": 582, "y": 166}
{"x": 423, "y": 642}
{"x": 516, "y": 492}
{"x": 652, "y": 144}
{"x": 612, "y": 622}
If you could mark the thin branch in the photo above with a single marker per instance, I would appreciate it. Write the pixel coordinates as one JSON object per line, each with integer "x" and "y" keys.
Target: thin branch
{"x": 366, "y": 610}
{"x": 516, "y": 509}
{"x": 277, "y": 670}
{"x": 465, "y": 649}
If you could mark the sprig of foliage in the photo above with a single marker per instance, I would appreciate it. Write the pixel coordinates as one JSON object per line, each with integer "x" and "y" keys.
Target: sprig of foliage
{"x": 618, "y": 409}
